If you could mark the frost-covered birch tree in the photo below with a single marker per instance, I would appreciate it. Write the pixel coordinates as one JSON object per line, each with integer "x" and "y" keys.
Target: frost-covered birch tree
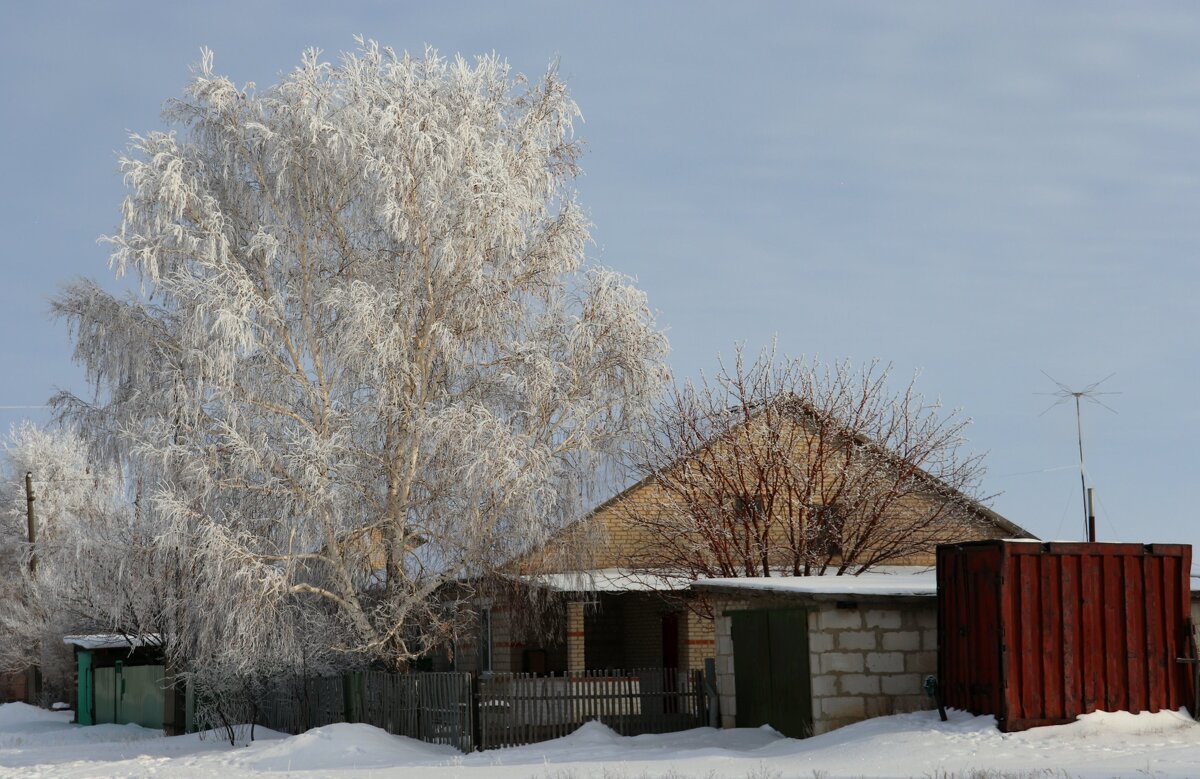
{"x": 368, "y": 355}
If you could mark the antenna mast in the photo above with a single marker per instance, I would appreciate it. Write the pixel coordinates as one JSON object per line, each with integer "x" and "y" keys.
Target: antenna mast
{"x": 1089, "y": 392}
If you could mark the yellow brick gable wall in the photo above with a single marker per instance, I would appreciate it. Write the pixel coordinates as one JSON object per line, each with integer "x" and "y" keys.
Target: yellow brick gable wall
{"x": 624, "y": 543}
{"x": 621, "y": 542}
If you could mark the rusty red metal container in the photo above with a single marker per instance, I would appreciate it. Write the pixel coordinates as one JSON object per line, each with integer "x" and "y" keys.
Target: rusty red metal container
{"x": 1038, "y": 633}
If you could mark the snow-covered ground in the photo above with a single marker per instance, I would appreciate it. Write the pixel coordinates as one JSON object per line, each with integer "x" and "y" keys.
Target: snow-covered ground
{"x": 37, "y": 743}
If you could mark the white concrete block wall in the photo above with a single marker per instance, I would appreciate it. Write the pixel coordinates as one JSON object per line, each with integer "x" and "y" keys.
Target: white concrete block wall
{"x": 869, "y": 660}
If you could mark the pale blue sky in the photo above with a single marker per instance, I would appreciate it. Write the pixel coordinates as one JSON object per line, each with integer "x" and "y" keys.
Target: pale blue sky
{"x": 980, "y": 191}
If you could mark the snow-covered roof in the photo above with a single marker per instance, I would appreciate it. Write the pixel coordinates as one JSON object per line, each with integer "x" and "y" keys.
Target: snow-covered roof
{"x": 893, "y": 582}
{"x": 607, "y": 580}
{"x": 112, "y": 641}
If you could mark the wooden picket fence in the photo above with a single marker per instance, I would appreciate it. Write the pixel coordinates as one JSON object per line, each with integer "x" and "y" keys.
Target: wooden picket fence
{"x": 517, "y": 709}
{"x": 491, "y": 711}
{"x": 432, "y": 707}
{"x": 298, "y": 704}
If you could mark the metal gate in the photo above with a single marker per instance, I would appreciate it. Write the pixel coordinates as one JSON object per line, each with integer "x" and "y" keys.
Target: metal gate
{"x": 770, "y": 663}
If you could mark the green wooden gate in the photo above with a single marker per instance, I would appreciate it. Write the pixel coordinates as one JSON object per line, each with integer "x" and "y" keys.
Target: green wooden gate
{"x": 87, "y": 686}
{"x": 771, "y": 669}
{"x": 105, "y": 695}
{"x": 129, "y": 694}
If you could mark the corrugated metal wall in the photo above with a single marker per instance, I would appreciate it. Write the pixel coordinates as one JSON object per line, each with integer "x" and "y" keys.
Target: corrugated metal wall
{"x": 1037, "y": 634}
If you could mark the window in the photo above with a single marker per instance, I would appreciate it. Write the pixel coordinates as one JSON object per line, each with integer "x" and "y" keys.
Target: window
{"x": 825, "y": 526}
{"x": 746, "y": 508}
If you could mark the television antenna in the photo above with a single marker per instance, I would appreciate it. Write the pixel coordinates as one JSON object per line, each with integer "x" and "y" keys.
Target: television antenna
{"x": 1091, "y": 394}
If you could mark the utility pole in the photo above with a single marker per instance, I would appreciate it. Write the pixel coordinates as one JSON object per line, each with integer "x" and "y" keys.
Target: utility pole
{"x": 30, "y": 521}
{"x": 33, "y": 679}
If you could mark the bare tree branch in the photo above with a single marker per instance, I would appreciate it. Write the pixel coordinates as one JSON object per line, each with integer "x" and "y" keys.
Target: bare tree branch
{"x": 790, "y": 467}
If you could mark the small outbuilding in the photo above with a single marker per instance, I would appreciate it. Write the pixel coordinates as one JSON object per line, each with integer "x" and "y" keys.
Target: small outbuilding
{"x": 122, "y": 680}
{"x": 1039, "y": 633}
{"x": 808, "y": 654}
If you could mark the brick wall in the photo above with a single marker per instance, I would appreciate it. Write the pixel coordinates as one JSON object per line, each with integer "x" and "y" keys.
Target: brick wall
{"x": 575, "y": 636}
{"x": 503, "y": 640}
{"x": 865, "y": 661}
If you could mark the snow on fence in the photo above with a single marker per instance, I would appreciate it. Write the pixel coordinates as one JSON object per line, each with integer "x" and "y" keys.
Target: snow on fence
{"x": 495, "y": 710}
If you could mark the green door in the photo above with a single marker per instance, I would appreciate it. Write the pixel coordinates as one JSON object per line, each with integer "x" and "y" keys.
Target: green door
{"x": 106, "y": 695}
{"x": 86, "y": 687}
{"x": 771, "y": 670}
{"x": 752, "y": 667}
{"x": 144, "y": 693}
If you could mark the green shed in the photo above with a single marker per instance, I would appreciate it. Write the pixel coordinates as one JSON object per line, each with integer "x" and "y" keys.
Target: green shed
{"x": 122, "y": 680}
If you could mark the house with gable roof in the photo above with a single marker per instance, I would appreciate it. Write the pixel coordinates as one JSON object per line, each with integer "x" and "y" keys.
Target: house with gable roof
{"x": 616, "y": 612}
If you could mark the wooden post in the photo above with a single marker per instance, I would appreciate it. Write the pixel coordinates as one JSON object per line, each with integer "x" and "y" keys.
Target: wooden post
{"x": 711, "y": 695}
{"x": 33, "y": 678}
{"x": 30, "y": 521}
{"x": 475, "y": 715}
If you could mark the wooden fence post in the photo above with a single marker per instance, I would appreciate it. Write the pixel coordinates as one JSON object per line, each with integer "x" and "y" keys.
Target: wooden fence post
{"x": 349, "y": 690}
{"x": 476, "y": 714}
{"x": 710, "y": 692}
